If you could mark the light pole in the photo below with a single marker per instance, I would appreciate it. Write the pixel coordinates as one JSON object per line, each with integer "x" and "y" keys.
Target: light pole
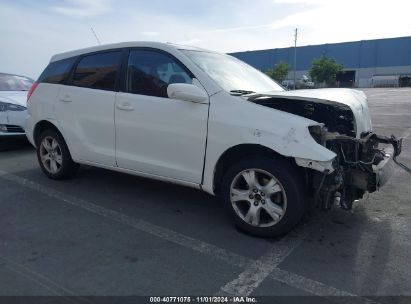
{"x": 295, "y": 56}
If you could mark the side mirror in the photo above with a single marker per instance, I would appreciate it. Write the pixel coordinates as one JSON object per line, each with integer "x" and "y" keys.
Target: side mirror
{"x": 187, "y": 92}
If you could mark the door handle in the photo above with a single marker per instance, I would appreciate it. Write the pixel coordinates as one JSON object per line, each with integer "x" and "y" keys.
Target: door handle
{"x": 125, "y": 106}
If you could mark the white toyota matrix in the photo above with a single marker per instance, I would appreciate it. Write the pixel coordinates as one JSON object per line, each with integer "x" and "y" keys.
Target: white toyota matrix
{"x": 207, "y": 120}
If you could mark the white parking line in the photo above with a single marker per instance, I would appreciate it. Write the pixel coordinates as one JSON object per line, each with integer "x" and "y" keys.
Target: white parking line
{"x": 263, "y": 267}
{"x": 317, "y": 288}
{"x": 164, "y": 233}
{"x": 306, "y": 284}
{"x": 51, "y": 286}
{"x": 258, "y": 270}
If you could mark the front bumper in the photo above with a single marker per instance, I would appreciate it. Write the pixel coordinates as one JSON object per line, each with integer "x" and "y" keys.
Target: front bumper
{"x": 12, "y": 123}
{"x": 11, "y": 130}
{"x": 4, "y": 135}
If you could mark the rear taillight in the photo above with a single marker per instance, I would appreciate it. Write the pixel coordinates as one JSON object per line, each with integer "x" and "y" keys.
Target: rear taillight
{"x": 32, "y": 89}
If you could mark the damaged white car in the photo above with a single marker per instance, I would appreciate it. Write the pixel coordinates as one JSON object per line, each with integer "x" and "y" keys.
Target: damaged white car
{"x": 207, "y": 120}
{"x": 13, "y": 98}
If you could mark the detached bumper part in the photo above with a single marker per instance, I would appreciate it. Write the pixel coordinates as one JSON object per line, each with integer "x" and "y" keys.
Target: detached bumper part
{"x": 383, "y": 171}
{"x": 395, "y": 142}
{"x": 385, "y": 168}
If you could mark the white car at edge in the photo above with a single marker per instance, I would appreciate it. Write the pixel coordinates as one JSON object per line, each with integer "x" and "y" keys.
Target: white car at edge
{"x": 13, "y": 102}
{"x": 207, "y": 120}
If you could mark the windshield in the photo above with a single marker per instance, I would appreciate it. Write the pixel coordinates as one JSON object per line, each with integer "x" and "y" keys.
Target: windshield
{"x": 232, "y": 74}
{"x": 14, "y": 83}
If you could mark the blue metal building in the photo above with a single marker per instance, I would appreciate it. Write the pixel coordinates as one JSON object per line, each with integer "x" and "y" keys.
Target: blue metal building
{"x": 368, "y": 61}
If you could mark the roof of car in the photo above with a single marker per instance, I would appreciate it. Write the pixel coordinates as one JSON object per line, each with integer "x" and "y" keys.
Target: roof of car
{"x": 160, "y": 45}
{"x": 18, "y": 75}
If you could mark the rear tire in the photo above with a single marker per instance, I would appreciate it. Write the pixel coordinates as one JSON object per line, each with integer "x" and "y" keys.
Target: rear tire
{"x": 264, "y": 196}
{"x": 54, "y": 156}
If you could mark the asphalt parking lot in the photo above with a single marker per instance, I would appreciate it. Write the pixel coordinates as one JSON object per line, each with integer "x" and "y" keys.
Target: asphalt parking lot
{"x": 106, "y": 233}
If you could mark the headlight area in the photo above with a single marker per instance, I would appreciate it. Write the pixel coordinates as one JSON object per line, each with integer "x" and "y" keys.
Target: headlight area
{"x": 317, "y": 132}
{"x": 10, "y": 107}
{"x": 361, "y": 165}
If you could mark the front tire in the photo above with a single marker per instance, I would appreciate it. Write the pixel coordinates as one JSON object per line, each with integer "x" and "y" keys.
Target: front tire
{"x": 265, "y": 196}
{"x": 54, "y": 157}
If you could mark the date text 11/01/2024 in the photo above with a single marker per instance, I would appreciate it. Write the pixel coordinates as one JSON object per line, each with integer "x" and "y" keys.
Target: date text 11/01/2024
{"x": 214, "y": 299}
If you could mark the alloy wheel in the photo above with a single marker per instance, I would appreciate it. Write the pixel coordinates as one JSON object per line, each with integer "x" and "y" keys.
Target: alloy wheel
{"x": 51, "y": 155}
{"x": 258, "y": 198}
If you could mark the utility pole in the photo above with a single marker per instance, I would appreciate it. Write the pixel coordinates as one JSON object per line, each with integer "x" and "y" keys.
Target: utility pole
{"x": 295, "y": 56}
{"x": 95, "y": 35}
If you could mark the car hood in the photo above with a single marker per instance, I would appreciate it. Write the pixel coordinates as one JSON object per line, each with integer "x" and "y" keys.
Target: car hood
{"x": 354, "y": 99}
{"x": 15, "y": 97}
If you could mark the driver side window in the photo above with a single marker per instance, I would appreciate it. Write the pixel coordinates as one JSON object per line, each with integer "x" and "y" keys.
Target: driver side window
{"x": 150, "y": 72}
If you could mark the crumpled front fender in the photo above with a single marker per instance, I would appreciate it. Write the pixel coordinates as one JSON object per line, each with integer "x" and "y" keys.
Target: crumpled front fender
{"x": 299, "y": 144}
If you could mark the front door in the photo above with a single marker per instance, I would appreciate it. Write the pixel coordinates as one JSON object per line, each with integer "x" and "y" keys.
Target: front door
{"x": 155, "y": 134}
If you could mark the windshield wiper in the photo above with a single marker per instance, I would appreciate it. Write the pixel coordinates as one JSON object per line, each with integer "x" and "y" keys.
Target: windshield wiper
{"x": 240, "y": 92}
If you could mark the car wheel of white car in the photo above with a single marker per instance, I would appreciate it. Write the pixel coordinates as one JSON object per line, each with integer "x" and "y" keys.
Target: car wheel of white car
{"x": 264, "y": 195}
{"x": 54, "y": 157}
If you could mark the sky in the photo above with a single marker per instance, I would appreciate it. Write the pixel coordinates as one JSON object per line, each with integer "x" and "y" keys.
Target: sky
{"x": 32, "y": 31}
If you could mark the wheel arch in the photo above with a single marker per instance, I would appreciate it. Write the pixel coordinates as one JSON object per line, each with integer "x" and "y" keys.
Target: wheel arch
{"x": 238, "y": 152}
{"x": 43, "y": 125}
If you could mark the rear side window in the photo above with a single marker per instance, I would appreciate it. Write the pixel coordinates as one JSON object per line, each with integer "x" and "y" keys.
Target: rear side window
{"x": 57, "y": 71}
{"x": 98, "y": 71}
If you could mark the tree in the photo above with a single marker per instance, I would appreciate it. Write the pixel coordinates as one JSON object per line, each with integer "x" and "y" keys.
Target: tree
{"x": 279, "y": 72}
{"x": 325, "y": 69}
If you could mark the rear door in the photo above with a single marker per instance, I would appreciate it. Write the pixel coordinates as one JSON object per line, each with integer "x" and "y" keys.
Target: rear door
{"x": 85, "y": 107}
{"x": 155, "y": 134}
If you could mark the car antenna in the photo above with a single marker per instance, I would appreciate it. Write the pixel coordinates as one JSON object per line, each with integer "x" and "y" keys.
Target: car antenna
{"x": 95, "y": 35}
